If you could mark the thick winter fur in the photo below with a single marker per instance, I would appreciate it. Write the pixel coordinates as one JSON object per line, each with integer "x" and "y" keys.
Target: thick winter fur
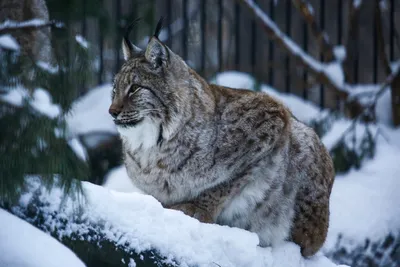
{"x": 227, "y": 156}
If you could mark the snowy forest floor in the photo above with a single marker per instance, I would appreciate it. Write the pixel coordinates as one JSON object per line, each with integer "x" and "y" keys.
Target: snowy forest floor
{"x": 363, "y": 203}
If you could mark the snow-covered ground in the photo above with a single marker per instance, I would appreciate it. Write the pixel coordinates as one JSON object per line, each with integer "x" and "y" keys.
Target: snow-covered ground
{"x": 140, "y": 223}
{"x": 363, "y": 202}
{"x": 22, "y": 245}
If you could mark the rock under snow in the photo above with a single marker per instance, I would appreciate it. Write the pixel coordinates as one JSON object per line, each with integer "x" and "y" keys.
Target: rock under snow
{"x": 22, "y": 245}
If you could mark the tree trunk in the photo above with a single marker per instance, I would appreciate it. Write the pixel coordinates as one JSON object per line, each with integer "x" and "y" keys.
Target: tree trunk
{"x": 34, "y": 41}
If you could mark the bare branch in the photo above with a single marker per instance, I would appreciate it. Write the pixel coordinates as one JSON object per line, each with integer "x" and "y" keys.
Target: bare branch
{"x": 312, "y": 65}
{"x": 307, "y": 11}
{"x": 381, "y": 40}
{"x": 33, "y": 24}
{"x": 351, "y": 42}
{"x": 392, "y": 81}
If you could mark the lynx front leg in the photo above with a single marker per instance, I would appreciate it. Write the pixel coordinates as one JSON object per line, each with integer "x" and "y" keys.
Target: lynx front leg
{"x": 193, "y": 210}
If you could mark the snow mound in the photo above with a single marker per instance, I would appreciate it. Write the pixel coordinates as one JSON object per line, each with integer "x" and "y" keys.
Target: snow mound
{"x": 8, "y": 42}
{"x": 90, "y": 113}
{"x": 22, "y": 245}
{"x": 117, "y": 179}
{"x": 141, "y": 223}
{"x": 363, "y": 202}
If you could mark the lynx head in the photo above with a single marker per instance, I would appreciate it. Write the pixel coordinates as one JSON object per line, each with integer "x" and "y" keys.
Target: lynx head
{"x": 151, "y": 88}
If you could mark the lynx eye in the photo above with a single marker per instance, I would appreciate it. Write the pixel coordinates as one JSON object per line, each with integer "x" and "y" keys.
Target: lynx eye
{"x": 133, "y": 90}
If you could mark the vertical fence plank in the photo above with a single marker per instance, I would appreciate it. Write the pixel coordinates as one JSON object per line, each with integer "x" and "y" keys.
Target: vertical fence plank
{"x": 220, "y": 40}
{"x": 184, "y": 30}
{"x": 339, "y": 37}
{"x": 339, "y": 21}
{"x": 305, "y": 48}
{"x": 391, "y": 30}
{"x": 134, "y": 34}
{"x": 84, "y": 13}
{"x": 322, "y": 24}
{"x": 169, "y": 22}
{"x": 101, "y": 57}
{"x": 271, "y": 47}
{"x": 203, "y": 37}
{"x": 117, "y": 34}
{"x": 237, "y": 36}
{"x": 253, "y": 46}
{"x": 287, "y": 58}
{"x": 375, "y": 46}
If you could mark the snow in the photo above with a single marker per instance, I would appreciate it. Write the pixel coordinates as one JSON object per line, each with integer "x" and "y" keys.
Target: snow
{"x": 90, "y": 113}
{"x": 82, "y": 41}
{"x": 9, "y": 24}
{"x": 22, "y": 245}
{"x": 78, "y": 148}
{"x": 48, "y": 67}
{"x": 363, "y": 202}
{"x": 340, "y": 53}
{"x": 395, "y": 65}
{"x": 310, "y": 9}
{"x": 15, "y": 96}
{"x": 357, "y": 3}
{"x": 234, "y": 79}
{"x": 43, "y": 103}
{"x": 117, "y": 179}
{"x": 8, "y": 42}
{"x": 384, "y": 108}
{"x": 334, "y": 71}
{"x": 40, "y": 100}
{"x": 141, "y": 223}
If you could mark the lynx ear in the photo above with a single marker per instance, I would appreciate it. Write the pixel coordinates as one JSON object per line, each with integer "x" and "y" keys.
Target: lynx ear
{"x": 128, "y": 49}
{"x": 156, "y": 52}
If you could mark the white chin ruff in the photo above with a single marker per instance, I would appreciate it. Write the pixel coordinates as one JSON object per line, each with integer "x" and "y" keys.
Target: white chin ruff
{"x": 144, "y": 134}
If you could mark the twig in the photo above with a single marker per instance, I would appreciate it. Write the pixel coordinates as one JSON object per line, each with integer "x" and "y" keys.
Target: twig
{"x": 307, "y": 11}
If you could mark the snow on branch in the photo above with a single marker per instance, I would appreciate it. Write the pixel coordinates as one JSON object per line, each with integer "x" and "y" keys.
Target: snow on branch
{"x": 10, "y": 25}
{"x": 307, "y": 11}
{"x": 335, "y": 74}
{"x": 124, "y": 229}
{"x": 317, "y": 68}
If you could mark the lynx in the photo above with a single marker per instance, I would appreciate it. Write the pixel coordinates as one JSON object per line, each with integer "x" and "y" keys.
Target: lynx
{"x": 228, "y": 156}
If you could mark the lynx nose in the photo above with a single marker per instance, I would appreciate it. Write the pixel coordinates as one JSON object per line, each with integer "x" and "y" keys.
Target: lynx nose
{"x": 115, "y": 110}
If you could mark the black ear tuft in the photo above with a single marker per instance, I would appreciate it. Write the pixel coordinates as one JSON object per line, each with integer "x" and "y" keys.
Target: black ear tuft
{"x": 128, "y": 48}
{"x": 129, "y": 28}
{"x": 159, "y": 27}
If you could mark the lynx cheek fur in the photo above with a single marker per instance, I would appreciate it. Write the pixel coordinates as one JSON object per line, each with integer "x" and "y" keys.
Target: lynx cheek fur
{"x": 227, "y": 156}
